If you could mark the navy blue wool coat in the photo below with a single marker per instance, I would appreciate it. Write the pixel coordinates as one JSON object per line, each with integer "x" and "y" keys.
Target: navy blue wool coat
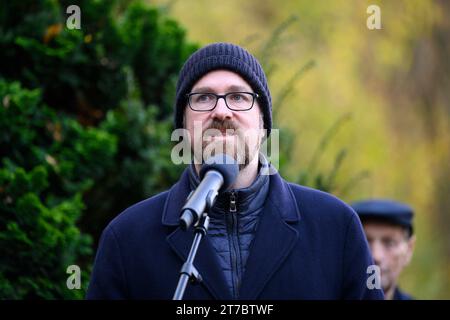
{"x": 308, "y": 245}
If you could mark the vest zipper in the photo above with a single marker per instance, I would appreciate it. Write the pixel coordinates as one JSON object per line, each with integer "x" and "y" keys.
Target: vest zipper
{"x": 234, "y": 245}
{"x": 233, "y": 202}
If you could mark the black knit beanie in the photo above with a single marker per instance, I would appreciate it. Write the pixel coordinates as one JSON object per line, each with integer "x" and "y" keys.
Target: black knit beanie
{"x": 223, "y": 56}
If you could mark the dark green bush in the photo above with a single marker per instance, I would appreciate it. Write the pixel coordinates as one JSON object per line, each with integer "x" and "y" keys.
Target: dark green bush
{"x": 86, "y": 117}
{"x": 48, "y": 161}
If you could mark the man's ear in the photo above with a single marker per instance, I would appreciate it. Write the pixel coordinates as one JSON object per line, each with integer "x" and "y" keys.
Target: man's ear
{"x": 411, "y": 245}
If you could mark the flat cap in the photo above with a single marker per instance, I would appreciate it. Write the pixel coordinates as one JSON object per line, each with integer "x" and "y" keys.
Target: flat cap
{"x": 386, "y": 210}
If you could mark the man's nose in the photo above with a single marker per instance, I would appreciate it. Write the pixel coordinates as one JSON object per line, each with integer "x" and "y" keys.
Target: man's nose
{"x": 221, "y": 111}
{"x": 377, "y": 252}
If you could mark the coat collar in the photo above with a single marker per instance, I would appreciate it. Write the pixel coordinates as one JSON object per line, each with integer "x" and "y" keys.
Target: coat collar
{"x": 280, "y": 195}
{"x": 274, "y": 239}
{"x": 246, "y": 200}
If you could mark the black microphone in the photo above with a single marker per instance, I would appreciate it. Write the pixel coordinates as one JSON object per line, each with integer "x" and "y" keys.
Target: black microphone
{"x": 218, "y": 173}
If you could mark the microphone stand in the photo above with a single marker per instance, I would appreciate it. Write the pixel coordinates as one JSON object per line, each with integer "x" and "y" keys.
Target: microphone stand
{"x": 188, "y": 271}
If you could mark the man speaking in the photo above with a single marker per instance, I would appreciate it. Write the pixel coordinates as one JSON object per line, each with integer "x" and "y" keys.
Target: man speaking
{"x": 267, "y": 238}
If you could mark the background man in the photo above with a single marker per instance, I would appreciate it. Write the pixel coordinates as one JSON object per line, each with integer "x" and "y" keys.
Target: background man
{"x": 389, "y": 230}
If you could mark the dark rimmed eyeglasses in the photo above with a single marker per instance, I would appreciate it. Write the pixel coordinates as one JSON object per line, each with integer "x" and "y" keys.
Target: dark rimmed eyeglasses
{"x": 236, "y": 101}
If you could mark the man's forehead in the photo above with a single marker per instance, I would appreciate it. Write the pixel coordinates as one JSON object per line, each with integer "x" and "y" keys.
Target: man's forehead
{"x": 382, "y": 228}
{"x": 219, "y": 80}
{"x": 226, "y": 88}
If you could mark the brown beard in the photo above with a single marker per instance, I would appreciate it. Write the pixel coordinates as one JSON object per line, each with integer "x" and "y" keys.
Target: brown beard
{"x": 231, "y": 125}
{"x": 244, "y": 159}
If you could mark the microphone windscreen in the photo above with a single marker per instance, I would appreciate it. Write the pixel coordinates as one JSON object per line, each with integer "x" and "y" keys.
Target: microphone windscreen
{"x": 225, "y": 165}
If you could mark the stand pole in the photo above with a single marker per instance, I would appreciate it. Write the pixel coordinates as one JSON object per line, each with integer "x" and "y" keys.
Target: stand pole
{"x": 188, "y": 271}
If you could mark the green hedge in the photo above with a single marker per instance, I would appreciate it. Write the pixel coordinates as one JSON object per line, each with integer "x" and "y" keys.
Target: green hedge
{"x": 85, "y": 117}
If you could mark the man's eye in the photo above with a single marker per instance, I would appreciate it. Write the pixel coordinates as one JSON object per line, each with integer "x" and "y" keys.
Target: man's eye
{"x": 202, "y": 98}
{"x": 389, "y": 243}
{"x": 238, "y": 97}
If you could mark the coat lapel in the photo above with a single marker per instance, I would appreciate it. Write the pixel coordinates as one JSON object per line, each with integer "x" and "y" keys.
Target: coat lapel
{"x": 206, "y": 261}
{"x": 274, "y": 239}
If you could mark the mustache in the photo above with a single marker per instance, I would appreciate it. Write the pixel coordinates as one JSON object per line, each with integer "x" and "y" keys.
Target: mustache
{"x": 222, "y": 125}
